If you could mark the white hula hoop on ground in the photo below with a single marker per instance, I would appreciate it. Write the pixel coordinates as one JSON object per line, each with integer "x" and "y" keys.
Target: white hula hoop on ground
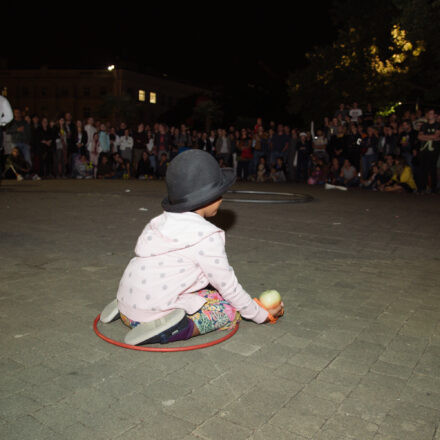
{"x": 292, "y": 197}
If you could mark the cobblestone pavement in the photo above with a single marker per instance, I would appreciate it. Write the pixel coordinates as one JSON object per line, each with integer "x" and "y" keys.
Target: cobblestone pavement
{"x": 357, "y": 355}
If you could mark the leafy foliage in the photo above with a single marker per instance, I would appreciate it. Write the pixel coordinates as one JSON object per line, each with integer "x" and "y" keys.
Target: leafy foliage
{"x": 383, "y": 53}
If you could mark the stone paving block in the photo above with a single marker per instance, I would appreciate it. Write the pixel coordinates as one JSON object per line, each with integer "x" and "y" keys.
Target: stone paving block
{"x": 312, "y": 404}
{"x": 351, "y": 426}
{"x": 296, "y": 373}
{"x": 335, "y": 338}
{"x": 328, "y": 434}
{"x": 429, "y": 365}
{"x": 391, "y": 384}
{"x": 430, "y": 399}
{"x": 400, "y": 358}
{"x": 164, "y": 390}
{"x": 109, "y": 423}
{"x": 387, "y": 369}
{"x": 326, "y": 390}
{"x": 417, "y": 413}
{"x": 10, "y": 385}
{"x": 348, "y": 365}
{"x": 221, "y": 429}
{"x": 46, "y": 393}
{"x": 26, "y": 427}
{"x": 16, "y": 406}
{"x": 58, "y": 416}
{"x": 277, "y": 432}
{"x": 291, "y": 341}
{"x": 339, "y": 377}
{"x": 368, "y": 410}
{"x": 254, "y": 408}
{"x": 303, "y": 423}
{"x": 241, "y": 348}
{"x": 190, "y": 409}
{"x": 407, "y": 430}
{"x": 214, "y": 394}
{"x": 80, "y": 432}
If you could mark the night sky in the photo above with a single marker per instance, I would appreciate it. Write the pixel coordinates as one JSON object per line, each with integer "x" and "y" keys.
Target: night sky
{"x": 229, "y": 50}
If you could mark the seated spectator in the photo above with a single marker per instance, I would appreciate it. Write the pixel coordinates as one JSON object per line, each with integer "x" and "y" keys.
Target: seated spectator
{"x": 402, "y": 179}
{"x": 278, "y": 171}
{"x": 317, "y": 171}
{"x": 262, "y": 170}
{"x": 348, "y": 175}
{"x": 143, "y": 168}
{"x": 383, "y": 177}
{"x": 121, "y": 168}
{"x": 16, "y": 167}
{"x": 105, "y": 169}
{"x": 162, "y": 166}
{"x": 371, "y": 182}
{"x": 82, "y": 168}
{"x": 334, "y": 177}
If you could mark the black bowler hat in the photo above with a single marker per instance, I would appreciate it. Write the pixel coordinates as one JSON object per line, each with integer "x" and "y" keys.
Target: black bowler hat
{"x": 195, "y": 179}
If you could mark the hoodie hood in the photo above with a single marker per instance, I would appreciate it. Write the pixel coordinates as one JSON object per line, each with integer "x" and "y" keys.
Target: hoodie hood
{"x": 172, "y": 232}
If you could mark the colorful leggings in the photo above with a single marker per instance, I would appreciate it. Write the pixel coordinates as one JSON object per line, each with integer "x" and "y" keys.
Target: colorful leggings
{"x": 216, "y": 314}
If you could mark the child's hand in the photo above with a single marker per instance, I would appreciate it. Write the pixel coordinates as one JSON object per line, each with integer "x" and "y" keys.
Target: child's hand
{"x": 276, "y": 312}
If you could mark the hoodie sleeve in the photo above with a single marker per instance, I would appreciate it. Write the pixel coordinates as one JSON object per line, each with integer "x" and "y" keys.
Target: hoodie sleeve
{"x": 213, "y": 261}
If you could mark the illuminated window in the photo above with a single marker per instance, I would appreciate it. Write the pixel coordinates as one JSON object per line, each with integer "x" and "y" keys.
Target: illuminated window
{"x": 142, "y": 95}
{"x": 152, "y": 98}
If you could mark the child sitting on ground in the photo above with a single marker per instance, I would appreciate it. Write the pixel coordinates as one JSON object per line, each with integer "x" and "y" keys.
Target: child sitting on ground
{"x": 181, "y": 262}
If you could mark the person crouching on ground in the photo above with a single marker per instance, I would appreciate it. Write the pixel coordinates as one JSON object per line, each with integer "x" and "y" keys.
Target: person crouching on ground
{"x": 180, "y": 260}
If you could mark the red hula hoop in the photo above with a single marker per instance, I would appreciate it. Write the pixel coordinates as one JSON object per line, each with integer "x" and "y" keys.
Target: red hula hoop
{"x": 163, "y": 349}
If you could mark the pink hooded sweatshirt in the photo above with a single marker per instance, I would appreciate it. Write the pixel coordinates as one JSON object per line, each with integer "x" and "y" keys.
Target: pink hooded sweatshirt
{"x": 178, "y": 254}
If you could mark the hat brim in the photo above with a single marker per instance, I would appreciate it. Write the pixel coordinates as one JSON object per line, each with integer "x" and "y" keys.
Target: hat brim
{"x": 202, "y": 197}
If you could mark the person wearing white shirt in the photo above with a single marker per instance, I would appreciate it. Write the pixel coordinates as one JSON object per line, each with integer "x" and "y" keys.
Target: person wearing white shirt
{"x": 126, "y": 145}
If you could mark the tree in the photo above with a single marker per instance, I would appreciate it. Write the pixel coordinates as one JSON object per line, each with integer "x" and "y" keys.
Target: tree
{"x": 375, "y": 58}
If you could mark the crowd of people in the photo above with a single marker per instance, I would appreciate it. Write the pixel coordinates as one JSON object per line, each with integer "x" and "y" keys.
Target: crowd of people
{"x": 353, "y": 147}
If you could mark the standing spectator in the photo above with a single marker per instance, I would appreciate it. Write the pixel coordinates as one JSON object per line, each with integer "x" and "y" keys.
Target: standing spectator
{"x": 71, "y": 140}
{"x": 90, "y": 130}
{"x": 60, "y": 148}
{"x": 46, "y": 142}
{"x": 304, "y": 149}
{"x": 259, "y": 144}
{"x": 139, "y": 145}
{"x": 126, "y": 145}
{"x": 320, "y": 145}
{"x": 20, "y": 132}
{"x": 341, "y": 113}
{"x": 244, "y": 156}
{"x": 291, "y": 156}
{"x": 354, "y": 141}
{"x": 406, "y": 141}
{"x": 35, "y": 144}
{"x": 104, "y": 140}
{"x": 355, "y": 112}
{"x": 223, "y": 147}
{"x": 369, "y": 115}
{"x": 369, "y": 151}
{"x": 429, "y": 137}
{"x": 81, "y": 141}
{"x": 162, "y": 140}
{"x": 94, "y": 152}
{"x": 279, "y": 145}
{"x": 114, "y": 141}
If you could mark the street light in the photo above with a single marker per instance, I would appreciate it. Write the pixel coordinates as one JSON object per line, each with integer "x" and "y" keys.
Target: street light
{"x": 111, "y": 68}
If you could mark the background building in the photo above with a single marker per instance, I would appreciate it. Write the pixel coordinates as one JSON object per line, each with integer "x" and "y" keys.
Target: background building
{"x": 86, "y": 92}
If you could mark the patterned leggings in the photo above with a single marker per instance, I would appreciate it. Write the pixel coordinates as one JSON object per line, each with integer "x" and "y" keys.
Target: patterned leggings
{"x": 216, "y": 314}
